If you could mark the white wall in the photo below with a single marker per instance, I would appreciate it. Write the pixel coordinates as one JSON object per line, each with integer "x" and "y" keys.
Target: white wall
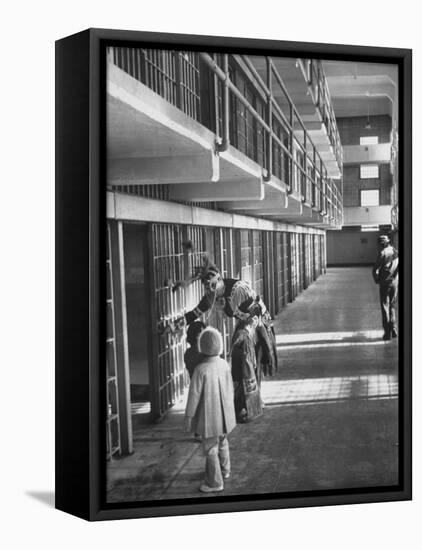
{"x": 361, "y": 215}
{"x": 27, "y": 130}
{"x": 367, "y": 153}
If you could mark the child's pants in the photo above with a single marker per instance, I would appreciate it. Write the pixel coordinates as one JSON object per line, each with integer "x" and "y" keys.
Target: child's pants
{"x": 217, "y": 461}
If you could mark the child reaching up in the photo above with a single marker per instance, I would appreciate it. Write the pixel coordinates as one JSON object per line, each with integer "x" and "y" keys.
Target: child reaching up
{"x": 210, "y": 409}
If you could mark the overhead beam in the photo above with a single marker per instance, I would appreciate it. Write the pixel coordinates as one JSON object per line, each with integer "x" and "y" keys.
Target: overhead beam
{"x": 203, "y": 167}
{"x": 250, "y": 189}
{"x": 272, "y": 200}
{"x": 315, "y": 125}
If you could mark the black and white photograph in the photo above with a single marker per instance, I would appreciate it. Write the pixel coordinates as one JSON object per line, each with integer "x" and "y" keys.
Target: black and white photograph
{"x": 253, "y": 257}
{"x": 208, "y": 317}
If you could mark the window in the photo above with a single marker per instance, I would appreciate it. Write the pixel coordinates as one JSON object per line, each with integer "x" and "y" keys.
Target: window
{"x": 369, "y": 140}
{"x": 369, "y": 197}
{"x": 368, "y": 228}
{"x": 369, "y": 171}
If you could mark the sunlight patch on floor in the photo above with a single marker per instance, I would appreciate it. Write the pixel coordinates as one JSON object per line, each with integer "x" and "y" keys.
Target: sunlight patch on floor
{"x": 329, "y": 388}
{"x": 330, "y": 336}
{"x": 331, "y": 345}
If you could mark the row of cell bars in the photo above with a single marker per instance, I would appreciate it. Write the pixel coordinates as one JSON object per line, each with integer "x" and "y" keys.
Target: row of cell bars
{"x": 171, "y": 74}
{"x": 278, "y": 265}
{"x": 113, "y": 443}
{"x": 179, "y": 77}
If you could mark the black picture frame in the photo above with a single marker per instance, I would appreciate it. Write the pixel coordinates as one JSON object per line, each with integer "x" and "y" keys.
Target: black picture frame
{"x": 80, "y": 286}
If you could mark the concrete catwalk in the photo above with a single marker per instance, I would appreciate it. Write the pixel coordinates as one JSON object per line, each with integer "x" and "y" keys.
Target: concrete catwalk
{"x": 331, "y": 415}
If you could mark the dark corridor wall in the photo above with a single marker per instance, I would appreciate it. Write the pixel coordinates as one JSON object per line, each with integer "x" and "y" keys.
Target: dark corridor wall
{"x": 350, "y": 246}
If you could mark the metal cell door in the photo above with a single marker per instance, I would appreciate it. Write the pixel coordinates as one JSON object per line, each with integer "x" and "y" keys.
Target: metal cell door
{"x": 314, "y": 257}
{"x": 168, "y": 265}
{"x": 270, "y": 273}
{"x": 323, "y": 254}
{"x": 278, "y": 259}
{"x": 306, "y": 257}
{"x": 246, "y": 256}
{"x": 227, "y": 266}
{"x": 112, "y": 395}
{"x": 302, "y": 266}
{"x": 293, "y": 265}
{"x": 287, "y": 268}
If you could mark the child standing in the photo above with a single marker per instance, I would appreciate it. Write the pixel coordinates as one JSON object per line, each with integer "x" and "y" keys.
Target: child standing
{"x": 210, "y": 409}
{"x": 245, "y": 372}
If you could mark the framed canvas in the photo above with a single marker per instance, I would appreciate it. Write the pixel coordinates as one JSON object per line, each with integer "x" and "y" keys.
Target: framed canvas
{"x": 228, "y": 252}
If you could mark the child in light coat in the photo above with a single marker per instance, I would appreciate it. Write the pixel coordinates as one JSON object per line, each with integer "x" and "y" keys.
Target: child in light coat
{"x": 210, "y": 409}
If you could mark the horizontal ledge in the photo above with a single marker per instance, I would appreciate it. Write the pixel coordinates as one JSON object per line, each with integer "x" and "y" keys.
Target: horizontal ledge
{"x": 121, "y": 206}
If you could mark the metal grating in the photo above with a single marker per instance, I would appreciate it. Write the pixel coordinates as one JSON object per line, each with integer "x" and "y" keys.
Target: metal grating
{"x": 168, "y": 265}
{"x": 112, "y": 400}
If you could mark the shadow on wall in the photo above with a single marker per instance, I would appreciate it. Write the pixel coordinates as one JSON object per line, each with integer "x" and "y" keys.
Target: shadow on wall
{"x": 351, "y": 246}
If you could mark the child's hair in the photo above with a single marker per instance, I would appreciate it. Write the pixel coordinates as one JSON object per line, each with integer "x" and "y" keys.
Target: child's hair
{"x": 194, "y": 330}
{"x": 210, "y": 342}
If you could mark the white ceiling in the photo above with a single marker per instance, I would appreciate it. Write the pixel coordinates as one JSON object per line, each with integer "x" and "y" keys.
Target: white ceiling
{"x": 359, "y": 89}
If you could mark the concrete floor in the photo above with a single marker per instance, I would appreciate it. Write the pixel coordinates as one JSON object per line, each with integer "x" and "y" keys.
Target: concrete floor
{"x": 331, "y": 416}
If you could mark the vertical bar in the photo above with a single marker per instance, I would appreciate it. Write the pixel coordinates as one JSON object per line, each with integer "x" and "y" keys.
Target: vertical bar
{"x": 291, "y": 149}
{"x": 155, "y": 367}
{"x": 169, "y": 76}
{"x": 127, "y": 60}
{"x": 160, "y": 72}
{"x": 152, "y": 67}
{"x": 138, "y": 64}
{"x": 197, "y": 87}
{"x": 164, "y": 73}
{"x": 171, "y": 55}
{"x": 223, "y": 267}
{"x": 132, "y": 61}
{"x": 269, "y": 120}
{"x": 216, "y": 101}
{"x": 169, "y": 70}
{"x": 145, "y": 67}
{"x": 191, "y": 88}
{"x": 121, "y": 335}
{"x": 185, "y": 80}
{"x": 305, "y": 157}
{"x": 172, "y": 269}
{"x": 166, "y": 267}
{"x": 226, "y": 114}
{"x": 183, "y": 84}
{"x": 157, "y": 71}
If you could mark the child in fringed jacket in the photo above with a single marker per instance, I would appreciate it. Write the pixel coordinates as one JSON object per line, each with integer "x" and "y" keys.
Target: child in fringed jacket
{"x": 245, "y": 369}
{"x": 210, "y": 409}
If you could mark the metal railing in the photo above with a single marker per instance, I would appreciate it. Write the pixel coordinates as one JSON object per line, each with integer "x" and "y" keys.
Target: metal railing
{"x": 315, "y": 77}
{"x": 227, "y": 94}
{"x": 171, "y": 74}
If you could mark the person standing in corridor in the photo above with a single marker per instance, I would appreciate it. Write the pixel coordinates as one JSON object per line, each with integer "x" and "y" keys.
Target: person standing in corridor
{"x": 210, "y": 409}
{"x": 385, "y": 274}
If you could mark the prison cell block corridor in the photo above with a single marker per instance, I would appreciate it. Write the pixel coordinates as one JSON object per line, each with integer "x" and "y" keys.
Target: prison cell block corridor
{"x": 331, "y": 410}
